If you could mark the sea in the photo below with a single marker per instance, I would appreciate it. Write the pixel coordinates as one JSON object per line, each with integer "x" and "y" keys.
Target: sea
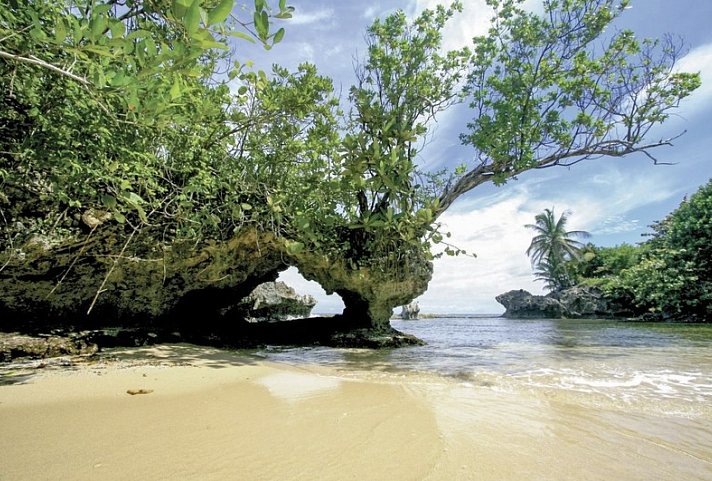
{"x": 663, "y": 368}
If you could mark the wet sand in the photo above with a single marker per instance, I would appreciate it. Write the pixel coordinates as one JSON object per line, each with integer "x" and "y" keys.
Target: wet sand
{"x": 215, "y": 415}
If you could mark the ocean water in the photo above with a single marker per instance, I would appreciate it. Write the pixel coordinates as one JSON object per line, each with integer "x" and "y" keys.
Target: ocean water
{"x": 649, "y": 367}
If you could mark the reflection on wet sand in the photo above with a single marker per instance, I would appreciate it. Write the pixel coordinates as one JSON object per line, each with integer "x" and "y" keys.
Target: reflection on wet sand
{"x": 265, "y": 421}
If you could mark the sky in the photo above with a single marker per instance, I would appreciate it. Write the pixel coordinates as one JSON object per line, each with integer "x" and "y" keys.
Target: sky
{"x": 615, "y": 200}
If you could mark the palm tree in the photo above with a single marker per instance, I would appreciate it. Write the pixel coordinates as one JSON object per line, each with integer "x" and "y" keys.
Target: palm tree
{"x": 552, "y": 247}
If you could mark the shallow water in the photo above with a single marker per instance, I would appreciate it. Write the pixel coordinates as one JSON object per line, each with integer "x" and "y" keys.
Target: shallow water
{"x": 551, "y": 399}
{"x": 648, "y": 367}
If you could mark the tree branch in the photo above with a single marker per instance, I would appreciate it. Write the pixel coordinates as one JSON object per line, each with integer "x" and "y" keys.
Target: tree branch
{"x": 36, "y": 61}
{"x": 486, "y": 171}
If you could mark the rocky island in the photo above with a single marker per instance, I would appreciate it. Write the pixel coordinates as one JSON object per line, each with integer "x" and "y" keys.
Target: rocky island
{"x": 573, "y": 303}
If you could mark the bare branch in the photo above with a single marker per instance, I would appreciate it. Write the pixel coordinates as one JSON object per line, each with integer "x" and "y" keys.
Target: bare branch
{"x": 36, "y": 61}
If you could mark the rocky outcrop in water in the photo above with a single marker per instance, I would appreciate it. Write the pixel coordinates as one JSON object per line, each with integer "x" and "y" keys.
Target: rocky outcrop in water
{"x": 575, "y": 302}
{"x": 522, "y": 304}
{"x": 410, "y": 311}
{"x": 275, "y": 301}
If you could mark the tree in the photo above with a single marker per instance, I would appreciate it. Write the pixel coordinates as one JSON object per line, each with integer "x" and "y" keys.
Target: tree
{"x": 106, "y": 100}
{"x": 674, "y": 276}
{"x": 552, "y": 248}
{"x": 546, "y": 91}
{"x": 130, "y": 120}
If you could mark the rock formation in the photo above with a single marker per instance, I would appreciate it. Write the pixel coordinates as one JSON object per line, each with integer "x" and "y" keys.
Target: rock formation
{"x": 87, "y": 282}
{"x": 410, "y": 311}
{"x": 524, "y": 305}
{"x": 274, "y": 301}
{"x": 15, "y": 345}
{"x": 575, "y": 302}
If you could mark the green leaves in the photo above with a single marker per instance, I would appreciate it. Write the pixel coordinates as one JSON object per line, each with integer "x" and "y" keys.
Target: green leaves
{"x": 221, "y": 12}
{"x": 278, "y": 36}
{"x": 180, "y": 7}
{"x": 545, "y": 93}
{"x": 294, "y": 247}
{"x": 674, "y": 276}
{"x": 191, "y": 19}
{"x": 242, "y": 35}
{"x": 261, "y": 22}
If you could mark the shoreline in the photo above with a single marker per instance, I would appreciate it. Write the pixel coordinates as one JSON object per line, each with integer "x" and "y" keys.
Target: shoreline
{"x": 210, "y": 414}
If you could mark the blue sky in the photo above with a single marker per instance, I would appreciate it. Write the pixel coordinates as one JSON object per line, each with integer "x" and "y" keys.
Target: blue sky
{"x": 613, "y": 199}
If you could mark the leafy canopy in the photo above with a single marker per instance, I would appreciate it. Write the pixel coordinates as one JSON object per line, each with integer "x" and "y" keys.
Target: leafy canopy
{"x": 135, "y": 114}
{"x": 674, "y": 276}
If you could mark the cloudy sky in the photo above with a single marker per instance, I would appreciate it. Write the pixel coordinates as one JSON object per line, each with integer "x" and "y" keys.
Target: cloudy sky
{"x": 613, "y": 199}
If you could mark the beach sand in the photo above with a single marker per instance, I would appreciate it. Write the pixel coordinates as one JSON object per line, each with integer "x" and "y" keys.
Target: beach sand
{"x": 208, "y": 414}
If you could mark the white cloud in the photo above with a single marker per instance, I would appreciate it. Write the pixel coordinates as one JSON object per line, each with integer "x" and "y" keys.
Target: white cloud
{"x": 497, "y": 235}
{"x": 493, "y": 228}
{"x": 303, "y": 52}
{"x": 302, "y": 17}
{"x": 370, "y": 12}
{"x": 335, "y": 50}
{"x": 617, "y": 224}
{"x": 698, "y": 60}
{"x": 474, "y": 20}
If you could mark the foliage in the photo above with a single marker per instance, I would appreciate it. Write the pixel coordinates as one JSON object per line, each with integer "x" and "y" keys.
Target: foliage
{"x": 553, "y": 248}
{"x": 117, "y": 107}
{"x": 674, "y": 276}
{"x": 546, "y": 91}
{"x": 669, "y": 275}
{"x": 604, "y": 262}
{"x": 133, "y": 114}
{"x": 402, "y": 85}
{"x": 602, "y": 267}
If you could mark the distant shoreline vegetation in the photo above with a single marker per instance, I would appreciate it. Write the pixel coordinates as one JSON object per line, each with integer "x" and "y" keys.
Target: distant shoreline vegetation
{"x": 667, "y": 277}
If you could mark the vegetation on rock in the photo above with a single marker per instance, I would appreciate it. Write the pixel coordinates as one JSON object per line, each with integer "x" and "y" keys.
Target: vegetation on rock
{"x": 669, "y": 275}
{"x": 144, "y": 170}
{"x": 674, "y": 274}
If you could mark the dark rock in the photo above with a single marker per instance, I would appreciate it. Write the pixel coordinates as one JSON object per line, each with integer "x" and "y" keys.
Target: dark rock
{"x": 373, "y": 339}
{"x": 274, "y": 301}
{"x": 524, "y": 305}
{"x": 583, "y": 301}
{"x": 14, "y": 346}
{"x": 574, "y": 303}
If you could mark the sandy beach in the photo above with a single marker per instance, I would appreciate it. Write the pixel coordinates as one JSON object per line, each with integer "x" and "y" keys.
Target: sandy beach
{"x": 206, "y": 414}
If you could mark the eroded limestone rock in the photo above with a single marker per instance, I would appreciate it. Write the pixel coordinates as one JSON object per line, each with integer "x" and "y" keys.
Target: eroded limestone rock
{"x": 370, "y": 293}
{"x": 193, "y": 289}
{"x": 410, "y": 311}
{"x": 524, "y": 305}
{"x": 575, "y": 303}
{"x": 14, "y": 346}
{"x": 275, "y": 301}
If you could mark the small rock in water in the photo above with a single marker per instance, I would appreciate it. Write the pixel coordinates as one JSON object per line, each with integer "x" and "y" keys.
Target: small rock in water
{"x": 133, "y": 392}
